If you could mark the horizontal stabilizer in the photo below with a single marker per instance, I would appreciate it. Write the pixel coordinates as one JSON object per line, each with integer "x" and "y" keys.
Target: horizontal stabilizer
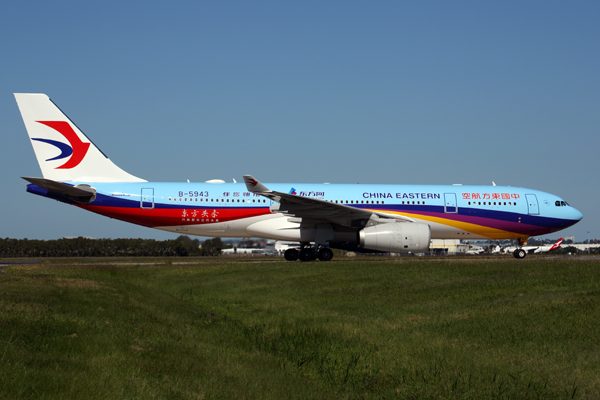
{"x": 81, "y": 193}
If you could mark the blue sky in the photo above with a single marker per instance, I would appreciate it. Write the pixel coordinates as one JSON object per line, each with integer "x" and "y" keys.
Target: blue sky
{"x": 429, "y": 92}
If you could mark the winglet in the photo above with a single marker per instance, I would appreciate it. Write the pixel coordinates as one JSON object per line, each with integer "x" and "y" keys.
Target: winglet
{"x": 254, "y": 185}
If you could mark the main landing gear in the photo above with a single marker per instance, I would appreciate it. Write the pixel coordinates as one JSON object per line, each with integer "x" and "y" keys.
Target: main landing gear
{"x": 309, "y": 253}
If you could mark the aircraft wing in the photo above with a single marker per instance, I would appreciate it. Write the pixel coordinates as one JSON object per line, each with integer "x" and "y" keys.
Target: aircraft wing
{"x": 317, "y": 211}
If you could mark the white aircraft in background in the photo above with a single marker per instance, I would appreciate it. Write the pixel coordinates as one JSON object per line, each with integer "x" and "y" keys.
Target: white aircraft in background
{"x": 480, "y": 250}
{"x": 476, "y": 251}
{"x": 536, "y": 249}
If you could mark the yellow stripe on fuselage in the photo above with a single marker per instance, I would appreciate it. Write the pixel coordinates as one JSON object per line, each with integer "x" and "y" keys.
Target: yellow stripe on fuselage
{"x": 480, "y": 230}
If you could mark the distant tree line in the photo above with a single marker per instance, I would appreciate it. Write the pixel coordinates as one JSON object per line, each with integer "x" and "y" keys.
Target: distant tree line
{"x": 84, "y": 247}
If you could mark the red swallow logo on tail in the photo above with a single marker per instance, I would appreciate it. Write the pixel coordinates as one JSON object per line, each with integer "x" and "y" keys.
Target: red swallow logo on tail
{"x": 77, "y": 150}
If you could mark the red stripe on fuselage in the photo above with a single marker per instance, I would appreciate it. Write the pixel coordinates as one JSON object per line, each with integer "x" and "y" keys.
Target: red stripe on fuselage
{"x": 174, "y": 216}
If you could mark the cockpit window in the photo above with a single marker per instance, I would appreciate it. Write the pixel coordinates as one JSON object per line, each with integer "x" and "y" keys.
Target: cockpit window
{"x": 560, "y": 203}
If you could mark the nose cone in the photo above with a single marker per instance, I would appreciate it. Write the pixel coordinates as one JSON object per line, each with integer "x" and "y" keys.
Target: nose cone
{"x": 575, "y": 214}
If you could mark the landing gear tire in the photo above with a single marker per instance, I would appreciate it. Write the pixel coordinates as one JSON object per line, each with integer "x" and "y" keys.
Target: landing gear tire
{"x": 325, "y": 254}
{"x": 519, "y": 253}
{"x": 291, "y": 255}
{"x": 306, "y": 255}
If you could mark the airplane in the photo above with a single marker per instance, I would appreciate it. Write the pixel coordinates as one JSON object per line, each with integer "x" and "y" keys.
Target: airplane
{"x": 476, "y": 251}
{"x": 358, "y": 217}
{"x": 536, "y": 249}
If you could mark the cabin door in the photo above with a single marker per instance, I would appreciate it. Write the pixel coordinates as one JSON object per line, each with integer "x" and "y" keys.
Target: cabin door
{"x": 532, "y": 204}
{"x": 147, "y": 198}
{"x": 450, "y": 203}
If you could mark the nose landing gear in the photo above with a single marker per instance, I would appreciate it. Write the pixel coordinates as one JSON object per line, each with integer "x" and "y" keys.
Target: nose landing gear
{"x": 519, "y": 253}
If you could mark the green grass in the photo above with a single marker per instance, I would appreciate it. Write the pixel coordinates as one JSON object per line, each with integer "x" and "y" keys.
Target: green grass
{"x": 254, "y": 328}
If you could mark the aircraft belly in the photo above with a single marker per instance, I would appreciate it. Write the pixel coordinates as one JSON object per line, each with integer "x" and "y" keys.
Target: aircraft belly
{"x": 279, "y": 228}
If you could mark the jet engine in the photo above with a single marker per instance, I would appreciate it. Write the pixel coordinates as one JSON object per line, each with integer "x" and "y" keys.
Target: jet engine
{"x": 396, "y": 237}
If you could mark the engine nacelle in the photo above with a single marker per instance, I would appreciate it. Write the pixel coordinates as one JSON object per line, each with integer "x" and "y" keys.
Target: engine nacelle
{"x": 396, "y": 237}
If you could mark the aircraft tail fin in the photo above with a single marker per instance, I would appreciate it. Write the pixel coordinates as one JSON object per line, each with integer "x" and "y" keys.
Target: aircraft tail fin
{"x": 63, "y": 152}
{"x": 556, "y": 245}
